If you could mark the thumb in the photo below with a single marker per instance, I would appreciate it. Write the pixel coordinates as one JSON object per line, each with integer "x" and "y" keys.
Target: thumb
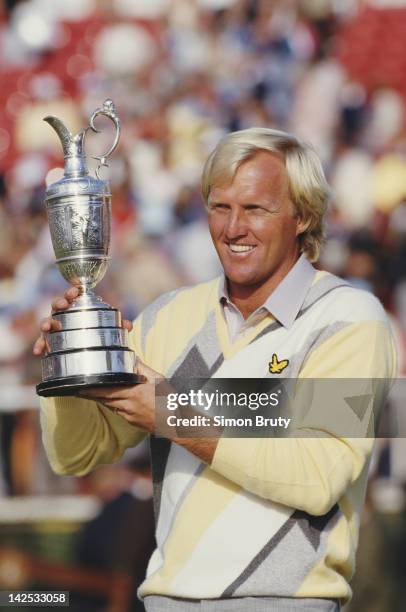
{"x": 150, "y": 374}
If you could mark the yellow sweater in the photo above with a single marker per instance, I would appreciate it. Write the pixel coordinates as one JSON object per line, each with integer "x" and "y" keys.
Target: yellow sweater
{"x": 269, "y": 517}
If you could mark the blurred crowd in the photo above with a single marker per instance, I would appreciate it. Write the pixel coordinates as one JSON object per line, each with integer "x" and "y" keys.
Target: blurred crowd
{"x": 182, "y": 73}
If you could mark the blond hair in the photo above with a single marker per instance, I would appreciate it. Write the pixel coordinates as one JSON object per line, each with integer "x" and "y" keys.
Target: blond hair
{"x": 308, "y": 188}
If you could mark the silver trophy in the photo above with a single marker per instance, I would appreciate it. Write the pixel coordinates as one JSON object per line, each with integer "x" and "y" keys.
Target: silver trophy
{"x": 92, "y": 347}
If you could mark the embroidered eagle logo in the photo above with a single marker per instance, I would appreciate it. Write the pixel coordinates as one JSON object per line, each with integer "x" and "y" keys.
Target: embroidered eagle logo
{"x": 275, "y": 366}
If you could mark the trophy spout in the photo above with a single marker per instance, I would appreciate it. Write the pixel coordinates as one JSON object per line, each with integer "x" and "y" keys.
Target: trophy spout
{"x": 73, "y": 147}
{"x": 64, "y": 134}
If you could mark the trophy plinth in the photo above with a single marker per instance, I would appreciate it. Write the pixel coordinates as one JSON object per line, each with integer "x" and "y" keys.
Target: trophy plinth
{"x": 92, "y": 346}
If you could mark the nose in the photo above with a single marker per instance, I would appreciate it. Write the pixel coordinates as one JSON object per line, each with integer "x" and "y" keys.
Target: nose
{"x": 236, "y": 226}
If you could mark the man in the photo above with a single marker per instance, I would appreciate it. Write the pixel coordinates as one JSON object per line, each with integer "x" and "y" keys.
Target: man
{"x": 244, "y": 524}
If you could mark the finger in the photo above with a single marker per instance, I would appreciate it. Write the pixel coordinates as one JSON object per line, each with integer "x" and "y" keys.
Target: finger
{"x": 148, "y": 372}
{"x": 117, "y": 407}
{"x": 121, "y": 412}
{"x": 71, "y": 294}
{"x": 39, "y": 346}
{"x": 48, "y": 324}
{"x": 60, "y": 303}
{"x": 103, "y": 394}
{"x": 127, "y": 324}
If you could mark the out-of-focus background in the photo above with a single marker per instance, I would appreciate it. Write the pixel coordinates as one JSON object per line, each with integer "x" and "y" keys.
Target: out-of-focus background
{"x": 182, "y": 73}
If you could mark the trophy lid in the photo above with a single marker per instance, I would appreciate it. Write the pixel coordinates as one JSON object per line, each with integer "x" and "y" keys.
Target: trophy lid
{"x": 76, "y": 180}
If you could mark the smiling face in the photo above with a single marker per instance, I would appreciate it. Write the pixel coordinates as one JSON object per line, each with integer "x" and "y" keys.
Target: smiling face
{"x": 253, "y": 226}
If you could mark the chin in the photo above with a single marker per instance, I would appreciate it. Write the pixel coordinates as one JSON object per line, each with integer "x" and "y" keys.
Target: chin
{"x": 243, "y": 280}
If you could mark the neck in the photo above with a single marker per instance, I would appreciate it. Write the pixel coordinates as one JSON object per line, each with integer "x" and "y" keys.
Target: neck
{"x": 248, "y": 298}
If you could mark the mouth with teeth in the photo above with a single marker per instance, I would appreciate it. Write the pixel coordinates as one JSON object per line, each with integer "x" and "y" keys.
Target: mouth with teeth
{"x": 241, "y": 248}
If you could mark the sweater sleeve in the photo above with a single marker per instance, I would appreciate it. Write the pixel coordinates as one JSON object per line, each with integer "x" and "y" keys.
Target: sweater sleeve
{"x": 312, "y": 468}
{"x": 79, "y": 434}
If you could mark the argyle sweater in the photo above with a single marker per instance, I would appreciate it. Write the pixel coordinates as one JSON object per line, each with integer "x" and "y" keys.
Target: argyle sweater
{"x": 269, "y": 516}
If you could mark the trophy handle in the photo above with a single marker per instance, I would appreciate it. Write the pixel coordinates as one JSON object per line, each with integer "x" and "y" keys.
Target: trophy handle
{"x": 108, "y": 110}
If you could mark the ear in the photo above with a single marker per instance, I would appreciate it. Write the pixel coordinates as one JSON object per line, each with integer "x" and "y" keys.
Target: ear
{"x": 301, "y": 225}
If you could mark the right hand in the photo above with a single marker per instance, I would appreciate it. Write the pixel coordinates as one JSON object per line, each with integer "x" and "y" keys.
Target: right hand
{"x": 49, "y": 324}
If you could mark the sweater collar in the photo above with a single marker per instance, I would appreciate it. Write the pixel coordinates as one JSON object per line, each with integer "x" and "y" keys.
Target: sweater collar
{"x": 285, "y": 301}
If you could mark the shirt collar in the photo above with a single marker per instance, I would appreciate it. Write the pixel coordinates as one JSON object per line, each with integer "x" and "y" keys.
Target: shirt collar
{"x": 286, "y": 300}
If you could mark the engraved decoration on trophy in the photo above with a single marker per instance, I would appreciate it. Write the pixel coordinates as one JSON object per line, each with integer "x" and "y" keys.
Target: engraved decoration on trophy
{"x": 92, "y": 346}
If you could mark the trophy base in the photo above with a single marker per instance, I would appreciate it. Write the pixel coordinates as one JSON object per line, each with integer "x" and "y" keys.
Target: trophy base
{"x": 60, "y": 387}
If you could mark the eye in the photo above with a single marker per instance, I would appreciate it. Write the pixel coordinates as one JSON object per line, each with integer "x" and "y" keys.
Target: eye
{"x": 255, "y": 209}
{"x": 218, "y": 207}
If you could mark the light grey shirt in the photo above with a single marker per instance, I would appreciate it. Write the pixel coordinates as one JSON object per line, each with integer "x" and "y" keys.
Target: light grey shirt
{"x": 283, "y": 304}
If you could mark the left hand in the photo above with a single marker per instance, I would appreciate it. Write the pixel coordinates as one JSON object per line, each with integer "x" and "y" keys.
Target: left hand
{"x": 136, "y": 404}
